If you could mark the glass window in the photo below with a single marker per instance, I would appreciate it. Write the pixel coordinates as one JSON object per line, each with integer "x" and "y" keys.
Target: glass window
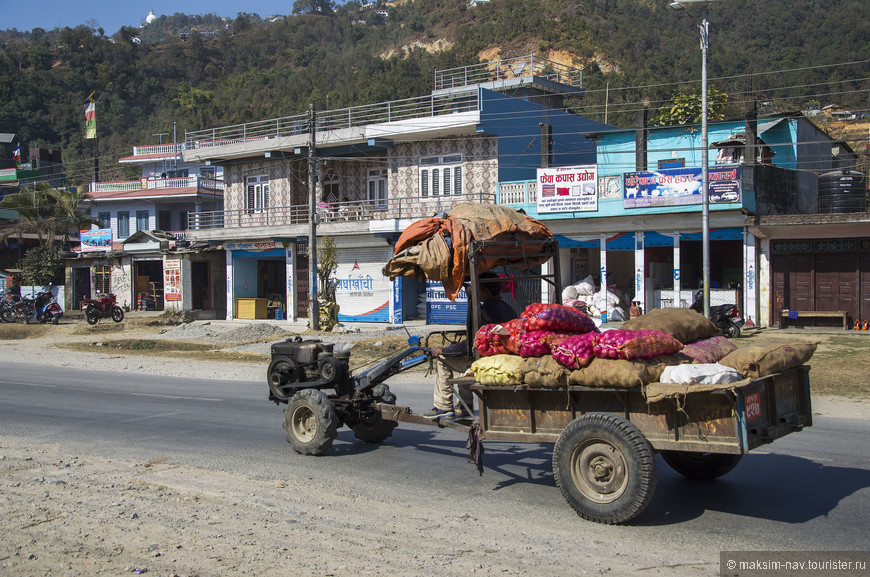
{"x": 105, "y": 219}
{"x": 377, "y": 188}
{"x": 102, "y": 278}
{"x": 123, "y": 224}
{"x": 142, "y": 220}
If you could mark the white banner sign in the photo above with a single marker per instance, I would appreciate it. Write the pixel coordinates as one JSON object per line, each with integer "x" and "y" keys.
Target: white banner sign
{"x": 568, "y": 189}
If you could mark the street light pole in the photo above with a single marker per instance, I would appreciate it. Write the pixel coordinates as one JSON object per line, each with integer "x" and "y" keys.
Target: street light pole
{"x": 704, "y": 28}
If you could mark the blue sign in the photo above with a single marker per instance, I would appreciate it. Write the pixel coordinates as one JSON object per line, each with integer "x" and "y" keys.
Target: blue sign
{"x": 97, "y": 239}
{"x": 680, "y": 186}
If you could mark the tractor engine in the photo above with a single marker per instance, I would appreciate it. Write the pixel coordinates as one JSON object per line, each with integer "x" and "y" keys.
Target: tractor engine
{"x": 305, "y": 364}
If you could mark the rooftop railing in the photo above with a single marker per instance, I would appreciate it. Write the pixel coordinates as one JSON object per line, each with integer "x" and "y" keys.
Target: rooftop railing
{"x": 352, "y": 211}
{"x": 354, "y": 116}
{"x": 165, "y": 149}
{"x": 508, "y": 68}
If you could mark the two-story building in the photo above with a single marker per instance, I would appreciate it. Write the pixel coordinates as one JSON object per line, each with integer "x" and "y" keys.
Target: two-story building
{"x": 139, "y": 251}
{"x": 377, "y": 168}
{"x": 767, "y": 217}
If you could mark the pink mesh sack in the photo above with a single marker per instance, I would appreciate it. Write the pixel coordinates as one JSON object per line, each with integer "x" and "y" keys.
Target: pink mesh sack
{"x": 577, "y": 351}
{"x": 538, "y": 343}
{"x": 642, "y": 344}
{"x": 491, "y": 340}
{"x": 555, "y": 317}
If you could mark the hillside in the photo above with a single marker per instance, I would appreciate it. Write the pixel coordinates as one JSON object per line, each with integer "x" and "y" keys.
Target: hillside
{"x": 634, "y": 52}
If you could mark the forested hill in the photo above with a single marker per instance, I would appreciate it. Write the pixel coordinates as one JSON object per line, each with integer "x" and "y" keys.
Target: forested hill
{"x": 789, "y": 54}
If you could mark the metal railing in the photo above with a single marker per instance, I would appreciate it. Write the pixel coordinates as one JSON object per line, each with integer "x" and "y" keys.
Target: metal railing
{"x": 352, "y": 211}
{"x": 354, "y": 116}
{"x": 201, "y": 183}
{"x": 510, "y": 68}
{"x": 166, "y": 149}
{"x": 522, "y": 192}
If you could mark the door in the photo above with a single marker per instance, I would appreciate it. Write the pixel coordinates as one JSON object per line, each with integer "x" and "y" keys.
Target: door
{"x": 199, "y": 283}
{"x": 81, "y": 286}
{"x": 302, "y": 292}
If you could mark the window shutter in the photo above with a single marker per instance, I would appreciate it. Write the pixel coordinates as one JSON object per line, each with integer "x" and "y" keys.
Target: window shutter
{"x": 250, "y": 206}
{"x": 424, "y": 181}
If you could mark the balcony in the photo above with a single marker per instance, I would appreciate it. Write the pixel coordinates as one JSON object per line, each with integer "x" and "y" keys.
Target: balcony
{"x": 201, "y": 184}
{"x": 164, "y": 150}
{"x": 342, "y": 212}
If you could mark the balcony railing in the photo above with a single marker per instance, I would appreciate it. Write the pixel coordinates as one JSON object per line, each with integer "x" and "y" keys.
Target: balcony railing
{"x": 509, "y": 68}
{"x": 165, "y": 149}
{"x": 200, "y": 183}
{"x": 396, "y": 208}
{"x": 354, "y": 116}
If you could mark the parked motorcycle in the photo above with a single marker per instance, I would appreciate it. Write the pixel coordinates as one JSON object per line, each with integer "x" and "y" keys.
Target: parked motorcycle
{"x": 19, "y": 309}
{"x": 102, "y": 308}
{"x": 7, "y": 307}
{"x": 46, "y": 308}
{"x": 726, "y": 317}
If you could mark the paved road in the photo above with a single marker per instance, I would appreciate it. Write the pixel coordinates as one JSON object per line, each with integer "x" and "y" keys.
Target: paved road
{"x": 807, "y": 491}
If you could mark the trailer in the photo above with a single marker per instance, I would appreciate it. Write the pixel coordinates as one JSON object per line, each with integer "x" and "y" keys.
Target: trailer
{"x": 604, "y": 438}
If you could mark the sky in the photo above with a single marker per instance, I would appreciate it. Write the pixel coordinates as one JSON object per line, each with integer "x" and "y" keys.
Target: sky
{"x": 111, "y": 15}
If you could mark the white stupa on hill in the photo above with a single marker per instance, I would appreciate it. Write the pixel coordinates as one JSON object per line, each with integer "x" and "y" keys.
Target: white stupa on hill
{"x": 151, "y": 17}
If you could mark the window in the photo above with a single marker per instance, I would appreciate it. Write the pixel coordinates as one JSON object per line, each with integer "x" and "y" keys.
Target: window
{"x": 142, "y": 220}
{"x": 105, "y": 219}
{"x": 102, "y": 278}
{"x": 207, "y": 173}
{"x": 123, "y": 224}
{"x": 164, "y": 220}
{"x": 377, "y": 188}
{"x": 441, "y": 175}
{"x": 257, "y": 197}
{"x": 330, "y": 187}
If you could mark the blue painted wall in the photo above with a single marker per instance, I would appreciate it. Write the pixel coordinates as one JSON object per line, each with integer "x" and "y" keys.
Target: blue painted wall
{"x": 517, "y": 124}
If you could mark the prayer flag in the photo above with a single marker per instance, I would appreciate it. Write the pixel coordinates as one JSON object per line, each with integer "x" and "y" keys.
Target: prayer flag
{"x": 16, "y": 153}
{"x": 90, "y": 118}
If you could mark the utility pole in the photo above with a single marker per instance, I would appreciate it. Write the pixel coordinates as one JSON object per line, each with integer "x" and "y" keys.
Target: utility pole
{"x": 314, "y": 311}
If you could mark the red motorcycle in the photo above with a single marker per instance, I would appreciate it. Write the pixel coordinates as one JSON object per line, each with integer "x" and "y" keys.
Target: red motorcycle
{"x": 102, "y": 308}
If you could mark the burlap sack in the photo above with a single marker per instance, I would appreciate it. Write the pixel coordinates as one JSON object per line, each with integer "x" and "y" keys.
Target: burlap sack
{"x": 544, "y": 372}
{"x": 685, "y": 324}
{"x": 617, "y": 373}
{"x": 710, "y": 350}
{"x": 759, "y": 359}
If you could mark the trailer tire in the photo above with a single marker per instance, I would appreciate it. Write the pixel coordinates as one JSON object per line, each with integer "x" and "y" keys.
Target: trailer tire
{"x": 701, "y": 466}
{"x": 373, "y": 428}
{"x": 310, "y": 422}
{"x": 605, "y": 468}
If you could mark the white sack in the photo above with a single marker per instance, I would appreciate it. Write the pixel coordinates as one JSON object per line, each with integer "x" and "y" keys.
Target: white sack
{"x": 706, "y": 374}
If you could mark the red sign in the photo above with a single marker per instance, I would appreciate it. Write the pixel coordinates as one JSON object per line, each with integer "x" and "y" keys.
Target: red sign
{"x": 753, "y": 406}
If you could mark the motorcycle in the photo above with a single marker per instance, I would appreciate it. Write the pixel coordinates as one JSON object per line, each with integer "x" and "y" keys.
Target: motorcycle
{"x": 102, "y": 308}
{"x": 46, "y": 308}
{"x": 726, "y": 317}
{"x": 7, "y": 307}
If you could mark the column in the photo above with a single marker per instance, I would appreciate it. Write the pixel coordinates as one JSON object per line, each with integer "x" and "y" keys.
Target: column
{"x": 603, "y": 253}
{"x": 230, "y": 290}
{"x": 677, "y": 287}
{"x": 749, "y": 308}
{"x": 290, "y": 268}
{"x": 639, "y": 271}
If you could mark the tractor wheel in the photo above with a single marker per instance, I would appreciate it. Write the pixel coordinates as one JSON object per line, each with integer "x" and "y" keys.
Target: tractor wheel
{"x": 605, "y": 468}
{"x": 373, "y": 428}
{"x": 701, "y": 466}
{"x": 310, "y": 422}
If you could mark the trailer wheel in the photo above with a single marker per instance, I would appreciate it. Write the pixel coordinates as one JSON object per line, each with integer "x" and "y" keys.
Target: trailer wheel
{"x": 605, "y": 468}
{"x": 310, "y": 422}
{"x": 373, "y": 428}
{"x": 701, "y": 466}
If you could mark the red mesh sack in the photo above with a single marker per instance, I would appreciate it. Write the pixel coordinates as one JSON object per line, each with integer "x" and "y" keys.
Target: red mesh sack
{"x": 642, "y": 344}
{"x": 491, "y": 340}
{"x": 576, "y": 352}
{"x": 555, "y": 317}
{"x": 538, "y": 343}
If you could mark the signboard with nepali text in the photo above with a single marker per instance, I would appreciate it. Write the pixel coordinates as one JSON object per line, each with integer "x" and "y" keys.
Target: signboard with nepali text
{"x": 568, "y": 189}
{"x": 96, "y": 240}
{"x": 172, "y": 279}
{"x": 681, "y": 186}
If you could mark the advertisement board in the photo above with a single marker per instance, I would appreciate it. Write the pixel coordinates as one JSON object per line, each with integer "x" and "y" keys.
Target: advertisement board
{"x": 96, "y": 240}
{"x": 680, "y": 186}
{"x": 568, "y": 189}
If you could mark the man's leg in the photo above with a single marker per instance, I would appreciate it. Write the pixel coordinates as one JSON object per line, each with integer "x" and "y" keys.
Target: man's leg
{"x": 445, "y": 367}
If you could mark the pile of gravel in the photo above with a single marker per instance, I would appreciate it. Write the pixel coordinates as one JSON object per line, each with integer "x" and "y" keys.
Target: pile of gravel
{"x": 242, "y": 334}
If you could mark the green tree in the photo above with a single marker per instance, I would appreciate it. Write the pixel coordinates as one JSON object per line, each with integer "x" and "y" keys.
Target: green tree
{"x": 685, "y": 108}
{"x": 313, "y": 6}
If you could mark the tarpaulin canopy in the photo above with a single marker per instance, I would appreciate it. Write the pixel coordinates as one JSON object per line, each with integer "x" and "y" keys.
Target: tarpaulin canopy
{"x": 436, "y": 248}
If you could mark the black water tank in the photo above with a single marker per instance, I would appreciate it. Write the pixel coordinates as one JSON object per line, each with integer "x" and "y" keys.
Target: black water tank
{"x": 842, "y": 191}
